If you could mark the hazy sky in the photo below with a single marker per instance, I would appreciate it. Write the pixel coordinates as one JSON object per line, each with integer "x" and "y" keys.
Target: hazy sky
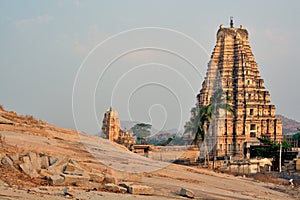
{"x": 145, "y": 58}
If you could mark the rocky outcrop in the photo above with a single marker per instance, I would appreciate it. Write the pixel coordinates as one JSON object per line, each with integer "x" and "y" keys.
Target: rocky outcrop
{"x": 56, "y": 169}
{"x": 62, "y": 171}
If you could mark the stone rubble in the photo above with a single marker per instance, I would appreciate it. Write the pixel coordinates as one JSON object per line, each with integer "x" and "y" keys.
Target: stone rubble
{"x": 61, "y": 171}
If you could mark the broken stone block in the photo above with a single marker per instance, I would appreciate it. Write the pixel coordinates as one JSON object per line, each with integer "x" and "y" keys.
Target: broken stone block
{"x": 69, "y": 191}
{"x": 44, "y": 162}
{"x": 57, "y": 180}
{"x": 73, "y": 169}
{"x": 56, "y": 159}
{"x": 115, "y": 188}
{"x": 27, "y": 167}
{"x": 140, "y": 189}
{"x": 58, "y": 166}
{"x": 96, "y": 177}
{"x": 76, "y": 180}
{"x": 186, "y": 193}
{"x": 35, "y": 160}
{"x": 6, "y": 161}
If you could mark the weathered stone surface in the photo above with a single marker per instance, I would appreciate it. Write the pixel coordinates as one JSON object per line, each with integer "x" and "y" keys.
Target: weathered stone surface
{"x": 132, "y": 178}
{"x": 110, "y": 179}
{"x": 6, "y": 161}
{"x": 44, "y": 162}
{"x": 27, "y": 167}
{"x": 69, "y": 167}
{"x": 115, "y": 188}
{"x": 186, "y": 193}
{"x": 140, "y": 189}
{"x": 58, "y": 166}
{"x": 76, "y": 180}
{"x": 57, "y": 180}
{"x": 56, "y": 159}
{"x": 15, "y": 157}
{"x": 69, "y": 191}
{"x": 96, "y": 177}
{"x": 35, "y": 160}
{"x": 73, "y": 169}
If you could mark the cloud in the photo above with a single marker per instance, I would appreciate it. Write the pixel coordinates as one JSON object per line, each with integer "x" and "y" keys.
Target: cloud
{"x": 43, "y": 19}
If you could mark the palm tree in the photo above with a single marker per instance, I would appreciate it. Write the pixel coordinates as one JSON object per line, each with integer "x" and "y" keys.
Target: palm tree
{"x": 208, "y": 113}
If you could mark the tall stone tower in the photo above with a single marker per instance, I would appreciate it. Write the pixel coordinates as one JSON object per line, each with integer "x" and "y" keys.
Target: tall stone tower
{"x": 233, "y": 69}
{"x": 111, "y": 124}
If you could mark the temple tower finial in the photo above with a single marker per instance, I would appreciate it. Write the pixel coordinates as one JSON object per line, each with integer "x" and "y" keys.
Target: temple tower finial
{"x": 231, "y": 22}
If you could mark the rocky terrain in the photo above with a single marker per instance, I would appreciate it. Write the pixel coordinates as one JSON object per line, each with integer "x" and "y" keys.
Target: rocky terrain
{"x": 41, "y": 161}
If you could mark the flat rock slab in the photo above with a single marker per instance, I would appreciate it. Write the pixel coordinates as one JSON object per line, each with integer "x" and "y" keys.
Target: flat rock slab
{"x": 75, "y": 179}
{"x": 57, "y": 179}
{"x": 96, "y": 177}
{"x": 35, "y": 160}
{"x": 115, "y": 188}
{"x": 140, "y": 190}
{"x": 44, "y": 162}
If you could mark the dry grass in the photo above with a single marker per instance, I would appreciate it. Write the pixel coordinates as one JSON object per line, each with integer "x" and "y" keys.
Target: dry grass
{"x": 268, "y": 178}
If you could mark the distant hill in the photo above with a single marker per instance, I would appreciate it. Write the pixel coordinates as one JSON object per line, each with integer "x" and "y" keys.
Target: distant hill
{"x": 289, "y": 126}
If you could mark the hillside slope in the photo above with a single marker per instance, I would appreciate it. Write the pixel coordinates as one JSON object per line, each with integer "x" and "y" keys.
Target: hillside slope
{"x": 21, "y": 134}
{"x": 289, "y": 126}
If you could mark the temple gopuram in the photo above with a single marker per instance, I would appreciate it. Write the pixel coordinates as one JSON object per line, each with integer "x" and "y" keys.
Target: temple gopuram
{"x": 233, "y": 69}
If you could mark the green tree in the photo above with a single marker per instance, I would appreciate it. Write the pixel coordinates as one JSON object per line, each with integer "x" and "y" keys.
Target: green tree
{"x": 270, "y": 149}
{"x": 209, "y": 113}
{"x": 141, "y": 131}
{"x": 297, "y": 137}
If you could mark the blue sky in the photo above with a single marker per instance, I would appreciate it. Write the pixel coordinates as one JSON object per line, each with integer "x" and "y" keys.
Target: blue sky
{"x": 43, "y": 45}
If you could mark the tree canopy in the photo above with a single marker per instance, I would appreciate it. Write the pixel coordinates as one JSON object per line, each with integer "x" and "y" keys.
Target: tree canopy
{"x": 141, "y": 130}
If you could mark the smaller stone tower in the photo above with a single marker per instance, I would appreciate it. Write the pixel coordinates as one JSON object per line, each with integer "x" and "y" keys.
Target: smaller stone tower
{"x": 112, "y": 129}
{"x": 111, "y": 124}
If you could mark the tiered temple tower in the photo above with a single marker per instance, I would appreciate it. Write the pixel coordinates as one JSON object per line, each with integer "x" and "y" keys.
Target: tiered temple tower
{"x": 232, "y": 68}
{"x": 112, "y": 129}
